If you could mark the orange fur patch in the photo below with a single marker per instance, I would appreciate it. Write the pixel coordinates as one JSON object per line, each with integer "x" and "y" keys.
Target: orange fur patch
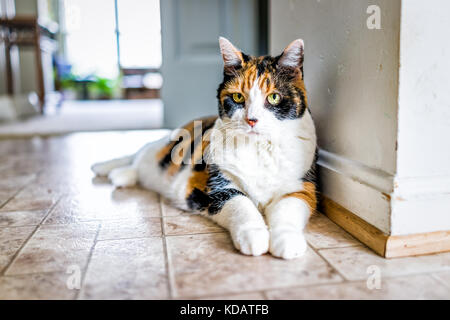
{"x": 308, "y": 194}
{"x": 197, "y": 180}
{"x": 190, "y": 133}
{"x": 244, "y": 82}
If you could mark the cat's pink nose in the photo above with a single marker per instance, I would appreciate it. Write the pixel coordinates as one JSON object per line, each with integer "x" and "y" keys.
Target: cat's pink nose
{"x": 251, "y": 122}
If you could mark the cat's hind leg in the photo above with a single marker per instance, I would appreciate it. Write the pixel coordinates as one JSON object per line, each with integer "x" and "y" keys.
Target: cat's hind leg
{"x": 124, "y": 176}
{"x": 104, "y": 168}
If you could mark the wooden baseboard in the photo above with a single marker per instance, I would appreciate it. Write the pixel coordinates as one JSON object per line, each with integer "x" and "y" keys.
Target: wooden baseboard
{"x": 385, "y": 245}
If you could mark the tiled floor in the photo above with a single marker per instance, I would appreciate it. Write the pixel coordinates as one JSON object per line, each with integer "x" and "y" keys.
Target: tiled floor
{"x": 67, "y": 235}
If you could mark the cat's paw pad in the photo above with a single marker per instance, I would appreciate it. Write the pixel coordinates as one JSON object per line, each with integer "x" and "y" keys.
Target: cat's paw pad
{"x": 287, "y": 244}
{"x": 252, "y": 242}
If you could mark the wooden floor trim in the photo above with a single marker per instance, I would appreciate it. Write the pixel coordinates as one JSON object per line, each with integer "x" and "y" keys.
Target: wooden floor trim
{"x": 385, "y": 245}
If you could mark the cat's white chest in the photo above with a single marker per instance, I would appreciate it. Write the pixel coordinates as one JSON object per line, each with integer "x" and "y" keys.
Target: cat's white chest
{"x": 265, "y": 169}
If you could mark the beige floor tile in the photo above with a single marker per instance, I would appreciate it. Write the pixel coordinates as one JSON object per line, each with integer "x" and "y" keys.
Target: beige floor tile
{"x": 321, "y": 232}
{"x": 55, "y": 248}
{"x": 13, "y": 181}
{"x": 130, "y": 228}
{"x": 353, "y": 263}
{"x": 242, "y": 296}
{"x": 127, "y": 269}
{"x": 443, "y": 277}
{"x": 169, "y": 210}
{"x": 11, "y": 185}
{"x": 29, "y": 204}
{"x": 409, "y": 287}
{"x": 11, "y": 239}
{"x": 207, "y": 264}
{"x": 36, "y": 287}
{"x": 21, "y": 218}
{"x": 189, "y": 224}
{"x": 4, "y": 197}
{"x": 103, "y": 203}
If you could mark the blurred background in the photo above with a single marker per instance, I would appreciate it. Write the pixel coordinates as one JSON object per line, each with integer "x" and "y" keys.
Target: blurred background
{"x": 81, "y": 65}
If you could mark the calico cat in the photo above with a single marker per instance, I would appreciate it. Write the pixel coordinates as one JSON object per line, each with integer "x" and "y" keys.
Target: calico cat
{"x": 252, "y": 168}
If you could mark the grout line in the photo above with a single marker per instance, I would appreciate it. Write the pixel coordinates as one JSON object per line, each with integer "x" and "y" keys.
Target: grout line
{"x": 32, "y": 273}
{"x": 128, "y": 238}
{"x": 100, "y": 220}
{"x": 194, "y": 234}
{"x": 411, "y": 274}
{"x": 336, "y": 247}
{"x": 169, "y": 272}
{"x": 23, "y": 186}
{"x": 14, "y": 195}
{"x": 434, "y": 275}
{"x": 85, "y": 269}
{"x": 16, "y": 254}
{"x": 328, "y": 263}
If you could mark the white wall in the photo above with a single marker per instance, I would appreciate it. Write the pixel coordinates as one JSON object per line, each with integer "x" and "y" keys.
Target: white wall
{"x": 25, "y": 81}
{"x": 381, "y": 102}
{"x": 351, "y": 76}
{"x": 422, "y": 183}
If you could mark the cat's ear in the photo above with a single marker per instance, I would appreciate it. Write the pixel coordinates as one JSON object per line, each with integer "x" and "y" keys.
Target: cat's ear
{"x": 292, "y": 56}
{"x": 232, "y": 57}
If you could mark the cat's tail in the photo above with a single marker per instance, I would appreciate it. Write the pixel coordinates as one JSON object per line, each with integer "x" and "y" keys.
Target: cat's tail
{"x": 105, "y": 168}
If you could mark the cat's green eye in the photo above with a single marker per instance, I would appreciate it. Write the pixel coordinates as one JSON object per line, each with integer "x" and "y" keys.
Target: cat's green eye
{"x": 274, "y": 99}
{"x": 238, "y": 98}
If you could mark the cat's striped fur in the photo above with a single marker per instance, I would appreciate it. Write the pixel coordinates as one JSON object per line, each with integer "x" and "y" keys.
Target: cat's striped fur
{"x": 252, "y": 168}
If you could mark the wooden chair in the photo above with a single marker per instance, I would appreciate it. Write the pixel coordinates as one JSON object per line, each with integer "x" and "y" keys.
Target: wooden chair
{"x": 24, "y": 31}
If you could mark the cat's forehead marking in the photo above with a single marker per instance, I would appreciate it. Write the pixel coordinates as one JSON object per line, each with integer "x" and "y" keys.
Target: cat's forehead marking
{"x": 257, "y": 71}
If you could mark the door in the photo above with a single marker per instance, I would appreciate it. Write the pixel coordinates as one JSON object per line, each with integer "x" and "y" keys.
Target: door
{"x": 192, "y": 65}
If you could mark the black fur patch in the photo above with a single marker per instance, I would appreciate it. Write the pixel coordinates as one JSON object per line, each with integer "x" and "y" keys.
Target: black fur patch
{"x": 217, "y": 195}
{"x": 165, "y": 162}
{"x": 229, "y": 107}
{"x": 311, "y": 175}
{"x": 198, "y": 200}
{"x": 220, "y": 197}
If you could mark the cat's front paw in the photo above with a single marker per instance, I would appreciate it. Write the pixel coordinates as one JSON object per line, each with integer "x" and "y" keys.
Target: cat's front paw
{"x": 252, "y": 242}
{"x": 287, "y": 244}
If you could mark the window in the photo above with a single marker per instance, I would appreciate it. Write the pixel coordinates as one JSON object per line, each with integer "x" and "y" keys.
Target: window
{"x": 100, "y": 33}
